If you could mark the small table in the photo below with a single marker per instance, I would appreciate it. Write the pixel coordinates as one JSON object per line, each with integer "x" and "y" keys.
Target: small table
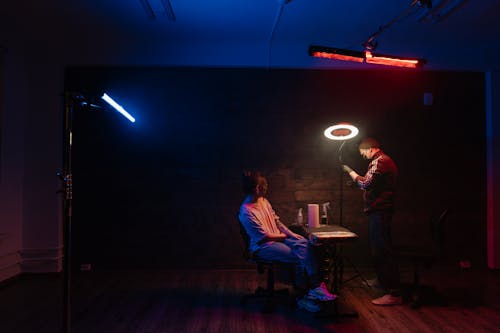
{"x": 330, "y": 236}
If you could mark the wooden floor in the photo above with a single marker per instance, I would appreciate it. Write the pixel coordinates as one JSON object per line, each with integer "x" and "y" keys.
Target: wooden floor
{"x": 209, "y": 301}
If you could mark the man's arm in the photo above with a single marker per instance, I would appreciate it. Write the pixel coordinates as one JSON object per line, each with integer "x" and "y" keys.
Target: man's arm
{"x": 284, "y": 229}
{"x": 353, "y": 174}
{"x": 273, "y": 237}
{"x": 255, "y": 230}
{"x": 366, "y": 181}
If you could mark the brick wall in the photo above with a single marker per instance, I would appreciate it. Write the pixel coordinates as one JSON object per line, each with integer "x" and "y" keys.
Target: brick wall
{"x": 165, "y": 191}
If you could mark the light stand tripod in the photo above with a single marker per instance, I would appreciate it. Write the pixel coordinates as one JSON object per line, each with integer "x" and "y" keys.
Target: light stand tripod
{"x": 341, "y": 185}
{"x": 66, "y": 176}
{"x": 335, "y": 258}
{"x": 341, "y": 223}
{"x": 73, "y": 102}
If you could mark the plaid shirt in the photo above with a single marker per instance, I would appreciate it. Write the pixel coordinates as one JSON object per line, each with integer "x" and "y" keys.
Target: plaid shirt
{"x": 379, "y": 183}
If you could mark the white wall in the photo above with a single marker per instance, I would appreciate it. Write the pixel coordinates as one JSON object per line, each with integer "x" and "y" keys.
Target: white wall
{"x": 30, "y": 228}
{"x": 12, "y": 167}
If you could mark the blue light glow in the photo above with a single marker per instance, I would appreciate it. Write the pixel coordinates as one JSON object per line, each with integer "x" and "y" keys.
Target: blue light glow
{"x": 117, "y": 107}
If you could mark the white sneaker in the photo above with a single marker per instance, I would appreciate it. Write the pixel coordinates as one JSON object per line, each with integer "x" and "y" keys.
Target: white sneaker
{"x": 308, "y": 304}
{"x": 388, "y": 299}
{"x": 321, "y": 293}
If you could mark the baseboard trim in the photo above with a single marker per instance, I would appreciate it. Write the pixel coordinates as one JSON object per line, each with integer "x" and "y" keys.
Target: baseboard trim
{"x": 45, "y": 260}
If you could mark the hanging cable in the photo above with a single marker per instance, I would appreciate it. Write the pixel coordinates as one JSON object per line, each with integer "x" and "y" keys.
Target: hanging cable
{"x": 371, "y": 43}
{"x": 277, "y": 19}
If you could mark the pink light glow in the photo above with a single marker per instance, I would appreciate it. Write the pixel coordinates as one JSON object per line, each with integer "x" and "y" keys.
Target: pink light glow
{"x": 337, "y": 56}
{"x": 370, "y": 58}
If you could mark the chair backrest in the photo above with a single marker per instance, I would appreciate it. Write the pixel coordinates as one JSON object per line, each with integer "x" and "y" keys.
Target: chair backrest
{"x": 262, "y": 264}
{"x": 246, "y": 240}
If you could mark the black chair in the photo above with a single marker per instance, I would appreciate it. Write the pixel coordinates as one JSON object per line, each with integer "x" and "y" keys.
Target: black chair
{"x": 424, "y": 256}
{"x": 268, "y": 293}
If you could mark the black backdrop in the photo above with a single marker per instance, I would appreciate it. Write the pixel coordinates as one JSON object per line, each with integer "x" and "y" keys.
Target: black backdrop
{"x": 163, "y": 192}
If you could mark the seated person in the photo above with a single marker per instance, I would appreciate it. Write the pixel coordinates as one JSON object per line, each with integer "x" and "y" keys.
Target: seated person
{"x": 272, "y": 240}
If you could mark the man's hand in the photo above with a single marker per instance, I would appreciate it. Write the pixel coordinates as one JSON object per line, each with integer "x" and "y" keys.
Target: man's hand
{"x": 353, "y": 174}
{"x": 296, "y": 236}
{"x": 346, "y": 168}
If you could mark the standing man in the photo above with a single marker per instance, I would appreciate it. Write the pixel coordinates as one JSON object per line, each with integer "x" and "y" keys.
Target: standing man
{"x": 379, "y": 186}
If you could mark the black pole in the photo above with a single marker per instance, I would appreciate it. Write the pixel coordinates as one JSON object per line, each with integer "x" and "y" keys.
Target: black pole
{"x": 67, "y": 178}
{"x": 339, "y": 257}
{"x": 341, "y": 197}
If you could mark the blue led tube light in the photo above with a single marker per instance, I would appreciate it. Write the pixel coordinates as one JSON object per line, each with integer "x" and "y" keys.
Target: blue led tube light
{"x": 117, "y": 107}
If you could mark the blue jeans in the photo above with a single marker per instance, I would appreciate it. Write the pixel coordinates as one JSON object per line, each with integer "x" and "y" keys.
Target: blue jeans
{"x": 386, "y": 265}
{"x": 295, "y": 251}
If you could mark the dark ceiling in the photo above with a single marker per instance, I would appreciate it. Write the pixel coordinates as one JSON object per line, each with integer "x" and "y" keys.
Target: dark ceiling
{"x": 449, "y": 34}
